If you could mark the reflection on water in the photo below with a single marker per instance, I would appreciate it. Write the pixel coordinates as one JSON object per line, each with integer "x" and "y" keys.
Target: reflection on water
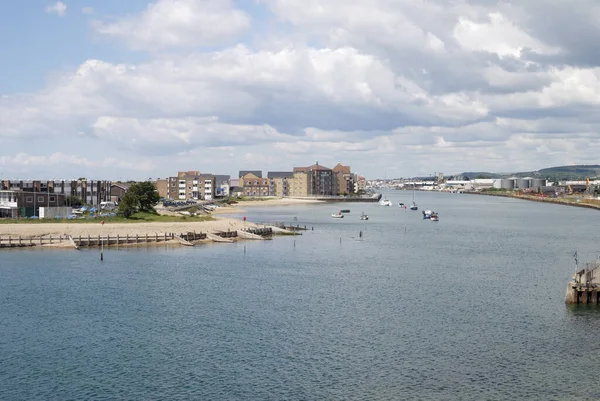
{"x": 470, "y": 308}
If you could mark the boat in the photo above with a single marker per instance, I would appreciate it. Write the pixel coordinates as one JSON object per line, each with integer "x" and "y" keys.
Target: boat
{"x": 427, "y": 214}
{"x": 338, "y": 215}
{"x": 413, "y": 205}
{"x": 434, "y": 217}
{"x": 364, "y": 217}
{"x": 401, "y": 205}
{"x": 385, "y": 202}
{"x": 345, "y": 211}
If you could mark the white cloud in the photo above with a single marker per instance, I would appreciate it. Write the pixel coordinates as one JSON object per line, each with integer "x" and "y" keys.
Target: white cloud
{"x": 498, "y": 35}
{"x": 179, "y": 23}
{"x": 59, "y": 8}
{"x": 437, "y": 85}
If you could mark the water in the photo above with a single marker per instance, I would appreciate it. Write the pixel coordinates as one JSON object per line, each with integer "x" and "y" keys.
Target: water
{"x": 467, "y": 308}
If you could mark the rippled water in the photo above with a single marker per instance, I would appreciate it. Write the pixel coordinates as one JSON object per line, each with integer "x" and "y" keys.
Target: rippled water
{"x": 468, "y": 308}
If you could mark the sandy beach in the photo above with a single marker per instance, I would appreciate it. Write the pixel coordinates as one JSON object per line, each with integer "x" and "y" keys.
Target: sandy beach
{"x": 219, "y": 224}
{"x": 123, "y": 229}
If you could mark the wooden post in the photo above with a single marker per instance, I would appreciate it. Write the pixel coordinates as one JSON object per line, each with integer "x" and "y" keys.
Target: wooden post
{"x": 107, "y": 239}
{"x": 19, "y": 240}
{"x": 127, "y": 238}
{"x": 165, "y": 237}
{"x": 117, "y": 239}
{"x": 156, "y": 234}
{"x": 31, "y": 241}
{"x": 41, "y": 241}
{"x": 146, "y": 238}
{"x": 89, "y": 240}
{"x": 98, "y": 239}
{"x": 50, "y": 238}
{"x": 136, "y": 239}
{"x": 9, "y": 241}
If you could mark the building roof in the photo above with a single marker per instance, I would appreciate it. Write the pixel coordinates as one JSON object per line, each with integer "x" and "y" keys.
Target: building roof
{"x": 222, "y": 178}
{"x": 257, "y": 173}
{"x": 317, "y": 166}
{"x": 123, "y": 185}
{"x": 280, "y": 174}
{"x": 339, "y": 168}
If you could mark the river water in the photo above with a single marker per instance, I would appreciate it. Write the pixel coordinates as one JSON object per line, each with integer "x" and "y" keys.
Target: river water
{"x": 467, "y": 308}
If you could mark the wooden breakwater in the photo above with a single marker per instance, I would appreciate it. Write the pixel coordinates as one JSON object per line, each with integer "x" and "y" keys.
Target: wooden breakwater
{"x": 584, "y": 287}
{"x": 11, "y": 241}
{"x": 88, "y": 241}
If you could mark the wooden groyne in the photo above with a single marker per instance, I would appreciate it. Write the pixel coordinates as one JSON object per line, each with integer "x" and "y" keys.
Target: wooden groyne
{"x": 89, "y": 241}
{"x": 8, "y": 241}
{"x": 584, "y": 287}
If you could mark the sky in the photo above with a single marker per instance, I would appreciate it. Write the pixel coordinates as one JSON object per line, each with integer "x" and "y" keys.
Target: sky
{"x": 141, "y": 89}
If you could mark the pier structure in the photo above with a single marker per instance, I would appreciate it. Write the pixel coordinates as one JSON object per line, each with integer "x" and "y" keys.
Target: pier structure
{"x": 584, "y": 287}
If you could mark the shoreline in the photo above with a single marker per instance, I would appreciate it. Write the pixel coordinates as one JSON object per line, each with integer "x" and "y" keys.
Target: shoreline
{"x": 39, "y": 233}
{"x": 556, "y": 201}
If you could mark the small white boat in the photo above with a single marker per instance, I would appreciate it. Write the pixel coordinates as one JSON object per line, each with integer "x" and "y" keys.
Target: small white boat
{"x": 413, "y": 206}
{"x": 434, "y": 217}
{"x": 401, "y": 205}
{"x": 385, "y": 202}
{"x": 364, "y": 217}
{"x": 338, "y": 215}
{"x": 427, "y": 214}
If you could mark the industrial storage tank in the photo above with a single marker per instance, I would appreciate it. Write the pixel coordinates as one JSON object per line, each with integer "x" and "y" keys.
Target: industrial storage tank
{"x": 522, "y": 183}
{"x": 507, "y": 183}
{"x": 538, "y": 182}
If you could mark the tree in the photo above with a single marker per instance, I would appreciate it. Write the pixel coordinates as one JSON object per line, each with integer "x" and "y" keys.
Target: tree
{"x": 128, "y": 205}
{"x": 140, "y": 196}
{"x": 74, "y": 201}
{"x": 147, "y": 195}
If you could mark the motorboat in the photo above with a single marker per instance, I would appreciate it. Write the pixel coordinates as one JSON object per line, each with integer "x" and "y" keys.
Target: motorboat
{"x": 364, "y": 217}
{"x": 434, "y": 217}
{"x": 401, "y": 205}
{"x": 345, "y": 211}
{"x": 338, "y": 215}
{"x": 385, "y": 202}
{"x": 427, "y": 214}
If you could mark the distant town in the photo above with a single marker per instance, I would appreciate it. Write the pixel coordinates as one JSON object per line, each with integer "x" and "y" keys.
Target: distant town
{"x": 45, "y": 198}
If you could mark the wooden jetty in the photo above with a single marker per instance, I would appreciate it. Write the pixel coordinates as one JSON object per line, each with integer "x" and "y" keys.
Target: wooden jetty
{"x": 584, "y": 287}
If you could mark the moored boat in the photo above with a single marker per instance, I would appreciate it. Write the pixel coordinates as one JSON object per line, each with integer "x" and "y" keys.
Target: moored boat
{"x": 345, "y": 211}
{"x": 338, "y": 215}
{"x": 434, "y": 217}
{"x": 385, "y": 202}
{"x": 364, "y": 216}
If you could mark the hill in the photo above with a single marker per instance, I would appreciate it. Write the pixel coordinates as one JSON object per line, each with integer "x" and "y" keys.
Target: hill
{"x": 560, "y": 173}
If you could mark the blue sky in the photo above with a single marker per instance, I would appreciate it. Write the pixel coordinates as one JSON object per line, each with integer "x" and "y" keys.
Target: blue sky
{"x": 143, "y": 88}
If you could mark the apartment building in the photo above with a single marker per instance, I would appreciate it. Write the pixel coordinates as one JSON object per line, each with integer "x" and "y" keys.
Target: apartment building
{"x": 254, "y": 185}
{"x": 344, "y": 180}
{"x": 187, "y": 185}
{"x": 91, "y": 192}
{"x": 280, "y": 183}
{"x": 315, "y": 180}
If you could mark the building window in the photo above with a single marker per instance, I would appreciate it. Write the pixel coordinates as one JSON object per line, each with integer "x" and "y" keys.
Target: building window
{"x": 29, "y": 199}
{"x": 52, "y": 199}
{"x": 40, "y": 198}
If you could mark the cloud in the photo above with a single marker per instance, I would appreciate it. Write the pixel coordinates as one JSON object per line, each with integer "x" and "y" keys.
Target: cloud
{"x": 59, "y": 8}
{"x": 178, "y": 23}
{"x": 379, "y": 84}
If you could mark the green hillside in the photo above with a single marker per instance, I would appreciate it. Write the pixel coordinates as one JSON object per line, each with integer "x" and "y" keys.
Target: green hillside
{"x": 576, "y": 172}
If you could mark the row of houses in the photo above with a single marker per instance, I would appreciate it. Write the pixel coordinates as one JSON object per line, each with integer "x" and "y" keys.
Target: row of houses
{"x": 315, "y": 180}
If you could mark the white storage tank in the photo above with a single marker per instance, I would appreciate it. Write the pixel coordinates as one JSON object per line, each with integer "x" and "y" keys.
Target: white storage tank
{"x": 522, "y": 183}
{"x": 507, "y": 183}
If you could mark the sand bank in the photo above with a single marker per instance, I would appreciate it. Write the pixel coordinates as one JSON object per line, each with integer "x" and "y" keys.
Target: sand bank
{"x": 240, "y": 207}
{"x": 122, "y": 229}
